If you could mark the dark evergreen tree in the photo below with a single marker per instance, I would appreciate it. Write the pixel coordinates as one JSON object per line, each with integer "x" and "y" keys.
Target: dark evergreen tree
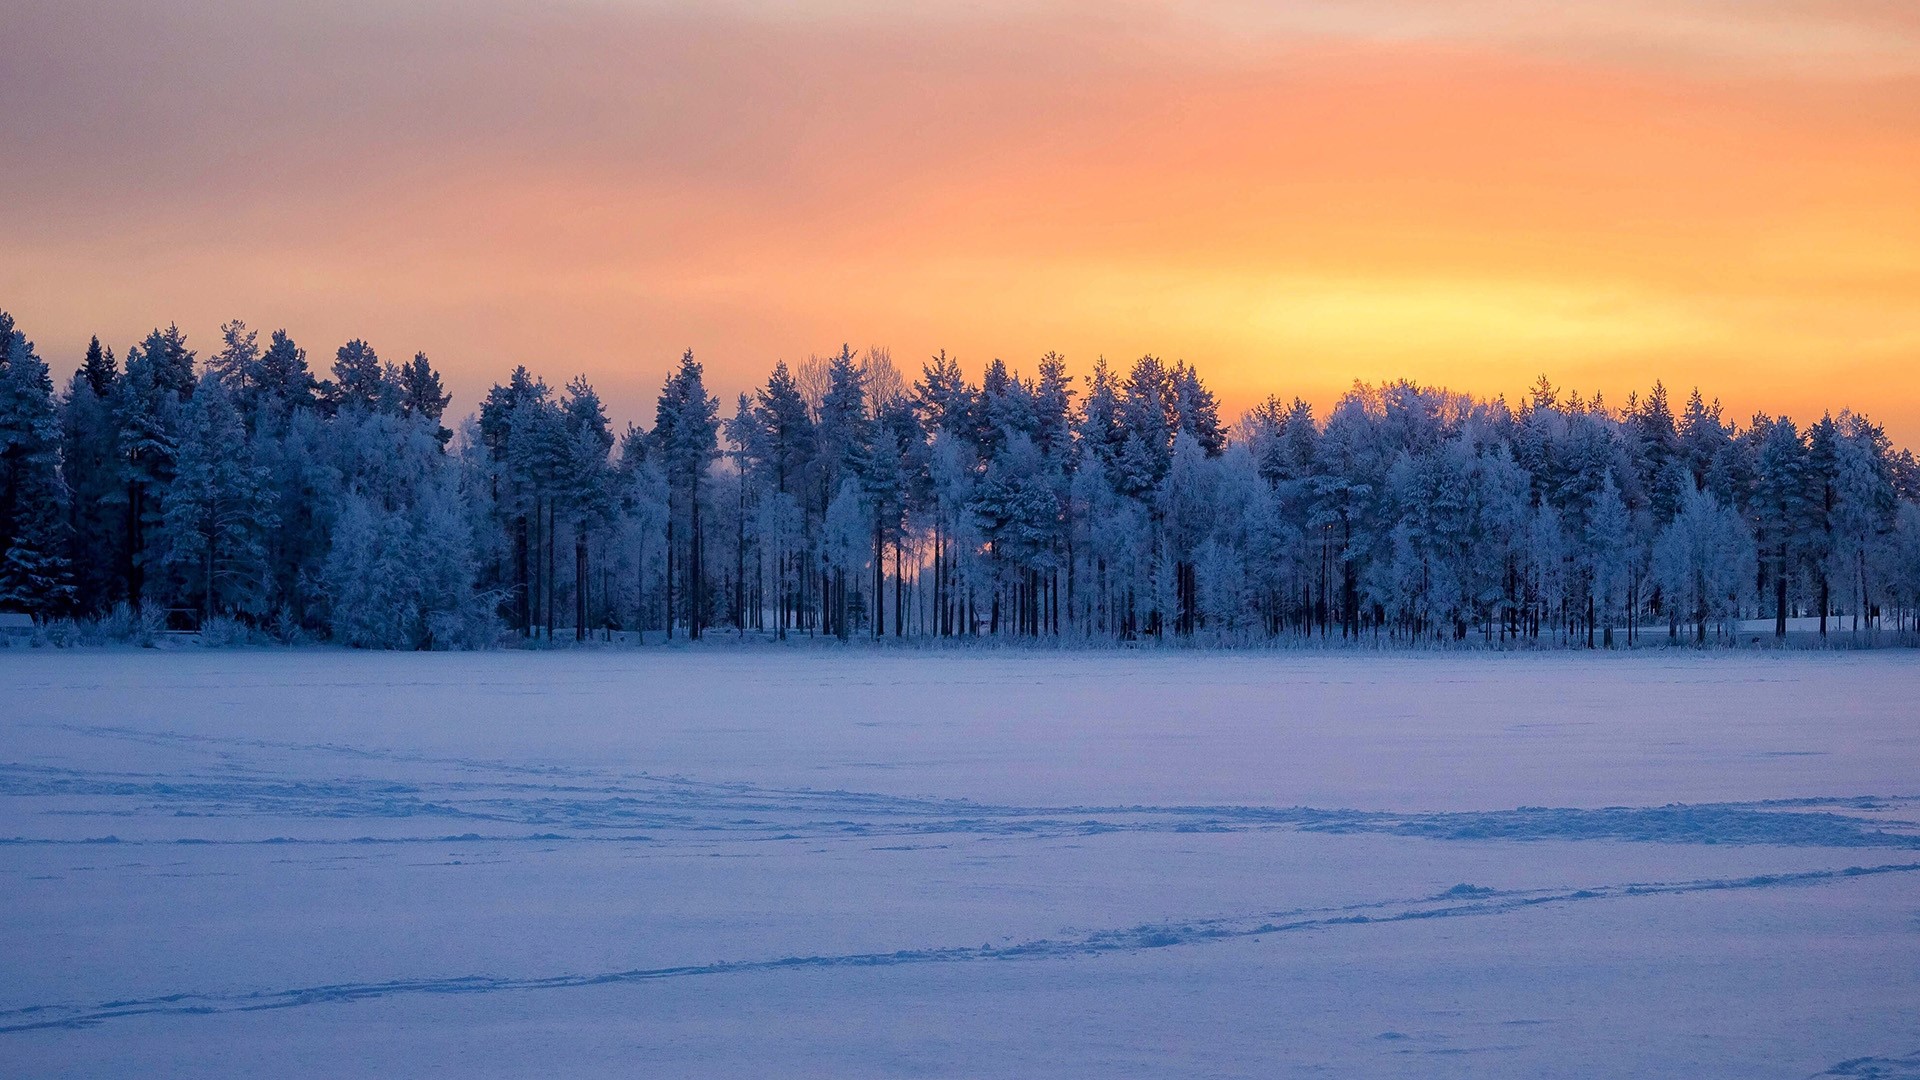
{"x": 98, "y": 369}
{"x": 1817, "y": 541}
{"x": 91, "y": 464}
{"x": 237, "y": 364}
{"x": 359, "y": 380}
{"x": 420, "y": 394}
{"x": 587, "y": 488}
{"x": 35, "y": 576}
{"x": 219, "y": 512}
{"x": 686, "y": 439}
{"x": 1779, "y": 507}
{"x": 146, "y": 405}
{"x": 283, "y": 376}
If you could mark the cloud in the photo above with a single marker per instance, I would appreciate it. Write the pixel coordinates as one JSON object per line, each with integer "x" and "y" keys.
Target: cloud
{"x": 1459, "y": 190}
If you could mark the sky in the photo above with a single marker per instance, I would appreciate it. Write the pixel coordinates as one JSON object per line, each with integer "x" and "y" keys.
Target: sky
{"x": 1292, "y": 196}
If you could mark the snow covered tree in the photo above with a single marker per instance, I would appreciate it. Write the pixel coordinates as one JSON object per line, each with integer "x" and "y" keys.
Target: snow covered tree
{"x": 35, "y": 576}
{"x": 1779, "y": 506}
{"x": 359, "y": 380}
{"x": 419, "y": 392}
{"x": 1863, "y": 513}
{"x": 587, "y": 486}
{"x": 403, "y": 577}
{"x": 282, "y": 376}
{"x": 1408, "y": 513}
{"x": 146, "y": 404}
{"x": 218, "y": 511}
{"x": 237, "y": 364}
{"x": 686, "y": 441}
{"x": 91, "y": 465}
{"x": 1704, "y": 560}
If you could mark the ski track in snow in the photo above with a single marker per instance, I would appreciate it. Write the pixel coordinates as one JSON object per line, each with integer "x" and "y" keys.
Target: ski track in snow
{"x": 1459, "y": 902}
{"x": 592, "y": 805}
{"x": 261, "y": 791}
{"x": 1877, "y": 1068}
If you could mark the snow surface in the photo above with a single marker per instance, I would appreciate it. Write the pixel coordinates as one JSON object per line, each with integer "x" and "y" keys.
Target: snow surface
{"x": 826, "y": 862}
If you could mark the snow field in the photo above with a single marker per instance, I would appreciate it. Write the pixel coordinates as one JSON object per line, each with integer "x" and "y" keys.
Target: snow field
{"x": 831, "y": 862}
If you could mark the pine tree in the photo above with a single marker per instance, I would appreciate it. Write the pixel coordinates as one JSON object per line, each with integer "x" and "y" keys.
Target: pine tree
{"x": 237, "y": 364}
{"x": 1150, "y": 420}
{"x": 789, "y": 430}
{"x": 588, "y": 489}
{"x": 1817, "y": 548}
{"x": 169, "y": 362}
{"x": 513, "y": 481}
{"x": 35, "y": 576}
{"x": 282, "y": 375}
{"x": 1865, "y": 509}
{"x": 94, "y": 472}
{"x": 1101, "y": 429}
{"x": 686, "y": 438}
{"x": 98, "y": 369}
{"x": 420, "y": 394}
{"x": 1704, "y": 560}
{"x": 1608, "y": 548}
{"x": 844, "y": 438}
{"x": 401, "y": 574}
{"x": 1779, "y": 507}
{"x": 219, "y": 512}
{"x": 146, "y": 405}
{"x": 1195, "y": 410}
{"x": 1656, "y": 445}
{"x": 359, "y": 381}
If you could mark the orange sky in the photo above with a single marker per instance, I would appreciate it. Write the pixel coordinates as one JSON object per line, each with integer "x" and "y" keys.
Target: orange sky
{"x": 1292, "y": 196}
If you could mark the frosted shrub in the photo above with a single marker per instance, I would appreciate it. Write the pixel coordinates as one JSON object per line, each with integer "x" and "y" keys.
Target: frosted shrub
{"x": 151, "y": 626}
{"x": 118, "y": 624}
{"x": 124, "y": 624}
{"x": 476, "y": 628}
{"x": 283, "y": 628}
{"x": 220, "y": 632}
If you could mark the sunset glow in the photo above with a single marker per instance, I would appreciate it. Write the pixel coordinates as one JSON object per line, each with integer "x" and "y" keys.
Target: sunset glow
{"x": 1290, "y": 196}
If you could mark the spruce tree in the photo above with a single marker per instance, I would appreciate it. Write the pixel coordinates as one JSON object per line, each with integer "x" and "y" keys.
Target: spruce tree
{"x": 359, "y": 381}
{"x": 219, "y": 511}
{"x": 1779, "y": 507}
{"x": 98, "y": 368}
{"x": 35, "y": 576}
{"x": 237, "y": 364}
{"x": 282, "y": 376}
{"x": 588, "y": 491}
{"x": 420, "y": 394}
{"x": 686, "y": 438}
{"x": 95, "y": 476}
{"x": 146, "y": 404}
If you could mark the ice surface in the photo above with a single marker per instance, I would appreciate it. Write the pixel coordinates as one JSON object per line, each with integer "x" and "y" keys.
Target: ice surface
{"x": 823, "y": 862}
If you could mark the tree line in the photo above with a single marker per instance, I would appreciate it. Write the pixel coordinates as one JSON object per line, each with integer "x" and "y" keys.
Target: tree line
{"x": 844, "y": 497}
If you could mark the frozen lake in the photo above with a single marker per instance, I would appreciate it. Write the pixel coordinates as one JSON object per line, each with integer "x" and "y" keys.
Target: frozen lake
{"x": 811, "y": 862}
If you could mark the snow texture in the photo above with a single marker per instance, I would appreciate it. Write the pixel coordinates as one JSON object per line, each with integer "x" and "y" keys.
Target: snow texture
{"x": 816, "y": 862}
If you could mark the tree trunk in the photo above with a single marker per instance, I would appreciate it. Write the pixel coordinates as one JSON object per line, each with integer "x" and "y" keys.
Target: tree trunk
{"x": 1700, "y": 588}
{"x": 1780, "y": 598}
{"x": 740, "y": 565}
{"x": 208, "y": 616}
{"x": 580, "y": 581}
{"x": 696, "y": 568}
{"x": 552, "y": 522}
{"x": 522, "y": 598}
{"x": 134, "y": 571}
